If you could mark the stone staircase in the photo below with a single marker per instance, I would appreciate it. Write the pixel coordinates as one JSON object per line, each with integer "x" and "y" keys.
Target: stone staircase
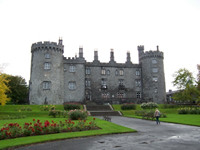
{"x": 101, "y": 110}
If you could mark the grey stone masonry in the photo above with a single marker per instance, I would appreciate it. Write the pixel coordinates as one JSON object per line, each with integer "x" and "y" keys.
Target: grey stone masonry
{"x": 56, "y": 79}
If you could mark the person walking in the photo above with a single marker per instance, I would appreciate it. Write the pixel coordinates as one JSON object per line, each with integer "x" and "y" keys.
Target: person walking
{"x": 157, "y": 115}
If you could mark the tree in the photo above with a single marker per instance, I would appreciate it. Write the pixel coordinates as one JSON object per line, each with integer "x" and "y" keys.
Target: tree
{"x": 18, "y": 89}
{"x": 184, "y": 81}
{"x": 183, "y": 78}
{"x": 3, "y": 88}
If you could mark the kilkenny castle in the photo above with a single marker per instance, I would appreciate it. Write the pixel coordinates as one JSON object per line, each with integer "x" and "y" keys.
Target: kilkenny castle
{"x": 56, "y": 79}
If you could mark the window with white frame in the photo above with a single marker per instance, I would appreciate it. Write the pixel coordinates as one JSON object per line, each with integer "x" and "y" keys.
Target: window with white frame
{"x": 121, "y": 72}
{"x": 154, "y": 61}
{"x": 87, "y": 71}
{"x": 72, "y": 68}
{"x": 137, "y": 73}
{"x": 47, "y": 55}
{"x": 47, "y": 65}
{"x": 72, "y": 85}
{"x": 138, "y": 83}
{"x": 103, "y": 71}
{"x": 46, "y": 85}
{"x": 154, "y": 70}
{"x": 138, "y": 94}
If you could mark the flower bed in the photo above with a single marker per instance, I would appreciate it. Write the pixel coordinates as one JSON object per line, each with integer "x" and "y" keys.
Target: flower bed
{"x": 13, "y": 130}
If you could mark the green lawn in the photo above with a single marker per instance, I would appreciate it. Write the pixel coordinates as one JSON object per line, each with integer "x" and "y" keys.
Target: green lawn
{"x": 106, "y": 128}
{"x": 172, "y": 115}
{"x": 36, "y": 113}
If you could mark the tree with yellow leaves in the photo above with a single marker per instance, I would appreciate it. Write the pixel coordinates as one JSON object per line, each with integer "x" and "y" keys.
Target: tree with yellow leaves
{"x": 3, "y": 89}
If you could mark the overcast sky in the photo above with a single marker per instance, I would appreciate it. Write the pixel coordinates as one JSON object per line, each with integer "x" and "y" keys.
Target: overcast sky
{"x": 174, "y": 25}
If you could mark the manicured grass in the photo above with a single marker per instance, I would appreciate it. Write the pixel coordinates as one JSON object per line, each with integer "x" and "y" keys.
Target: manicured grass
{"x": 172, "y": 115}
{"x": 106, "y": 128}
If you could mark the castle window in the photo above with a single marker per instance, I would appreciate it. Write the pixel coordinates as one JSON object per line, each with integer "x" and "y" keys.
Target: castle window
{"x": 47, "y": 66}
{"x": 72, "y": 68}
{"x": 72, "y": 85}
{"x": 116, "y": 72}
{"x": 155, "y": 70}
{"x": 103, "y": 81}
{"x": 47, "y": 55}
{"x": 87, "y": 83}
{"x": 120, "y": 95}
{"x": 138, "y": 94}
{"x": 108, "y": 72}
{"x": 154, "y": 61}
{"x": 105, "y": 95}
{"x": 87, "y": 71}
{"x": 155, "y": 79}
{"x": 121, "y": 72}
{"x": 121, "y": 81}
{"x": 46, "y": 85}
{"x": 137, "y": 73}
{"x": 138, "y": 83}
{"x": 103, "y": 71}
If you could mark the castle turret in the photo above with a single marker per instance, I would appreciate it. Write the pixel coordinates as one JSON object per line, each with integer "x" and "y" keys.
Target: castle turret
{"x": 153, "y": 78}
{"x": 46, "y": 82}
{"x": 112, "y": 58}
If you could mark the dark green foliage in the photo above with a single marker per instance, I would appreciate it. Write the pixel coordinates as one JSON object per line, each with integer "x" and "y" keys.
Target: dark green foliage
{"x": 128, "y": 107}
{"x": 57, "y": 113}
{"x": 18, "y": 90}
{"x": 72, "y": 106}
{"x": 166, "y": 106}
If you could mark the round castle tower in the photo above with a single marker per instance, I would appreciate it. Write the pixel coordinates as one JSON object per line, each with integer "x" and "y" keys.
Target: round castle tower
{"x": 46, "y": 81}
{"x": 153, "y": 78}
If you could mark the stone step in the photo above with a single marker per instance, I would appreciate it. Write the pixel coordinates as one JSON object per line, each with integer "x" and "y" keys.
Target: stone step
{"x": 105, "y": 113}
{"x": 98, "y": 107}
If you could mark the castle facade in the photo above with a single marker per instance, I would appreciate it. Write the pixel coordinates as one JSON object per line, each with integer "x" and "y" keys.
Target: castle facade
{"x": 56, "y": 79}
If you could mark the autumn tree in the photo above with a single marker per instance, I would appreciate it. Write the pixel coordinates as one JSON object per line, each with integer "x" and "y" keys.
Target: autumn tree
{"x": 3, "y": 88}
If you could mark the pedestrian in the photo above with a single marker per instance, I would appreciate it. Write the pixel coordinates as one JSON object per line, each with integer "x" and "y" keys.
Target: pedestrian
{"x": 157, "y": 115}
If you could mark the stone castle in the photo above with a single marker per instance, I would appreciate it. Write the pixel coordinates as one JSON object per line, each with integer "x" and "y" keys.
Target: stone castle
{"x": 56, "y": 79}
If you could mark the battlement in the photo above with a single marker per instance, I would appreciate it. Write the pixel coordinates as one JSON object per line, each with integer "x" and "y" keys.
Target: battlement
{"x": 140, "y": 47}
{"x": 46, "y": 45}
{"x": 151, "y": 54}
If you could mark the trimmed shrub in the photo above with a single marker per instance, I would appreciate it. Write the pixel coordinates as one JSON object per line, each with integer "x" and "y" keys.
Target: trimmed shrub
{"x": 149, "y": 105}
{"x": 77, "y": 114}
{"x": 128, "y": 107}
{"x": 72, "y": 106}
{"x": 188, "y": 110}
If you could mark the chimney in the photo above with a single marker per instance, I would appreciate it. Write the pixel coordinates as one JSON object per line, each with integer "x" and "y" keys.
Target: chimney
{"x": 80, "y": 52}
{"x": 111, "y": 55}
{"x": 95, "y": 55}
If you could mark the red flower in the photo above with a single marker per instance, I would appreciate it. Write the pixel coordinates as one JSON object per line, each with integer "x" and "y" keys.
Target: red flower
{"x": 33, "y": 130}
{"x": 94, "y": 118}
{"x": 33, "y": 119}
{"x": 38, "y": 121}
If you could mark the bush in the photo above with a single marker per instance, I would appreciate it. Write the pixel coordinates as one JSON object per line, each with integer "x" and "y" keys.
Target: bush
{"x": 128, "y": 107}
{"x": 57, "y": 113}
{"x": 188, "y": 110}
{"x": 149, "y": 105}
{"x": 77, "y": 114}
{"x": 72, "y": 106}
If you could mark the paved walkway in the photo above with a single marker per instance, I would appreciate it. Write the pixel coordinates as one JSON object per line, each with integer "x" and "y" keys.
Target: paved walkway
{"x": 166, "y": 136}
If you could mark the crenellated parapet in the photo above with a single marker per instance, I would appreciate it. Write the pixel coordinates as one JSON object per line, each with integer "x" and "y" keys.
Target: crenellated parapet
{"x": 39, "y": 46}
{"x": 148, "y": 54}
{"x": 74, "y": 60}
